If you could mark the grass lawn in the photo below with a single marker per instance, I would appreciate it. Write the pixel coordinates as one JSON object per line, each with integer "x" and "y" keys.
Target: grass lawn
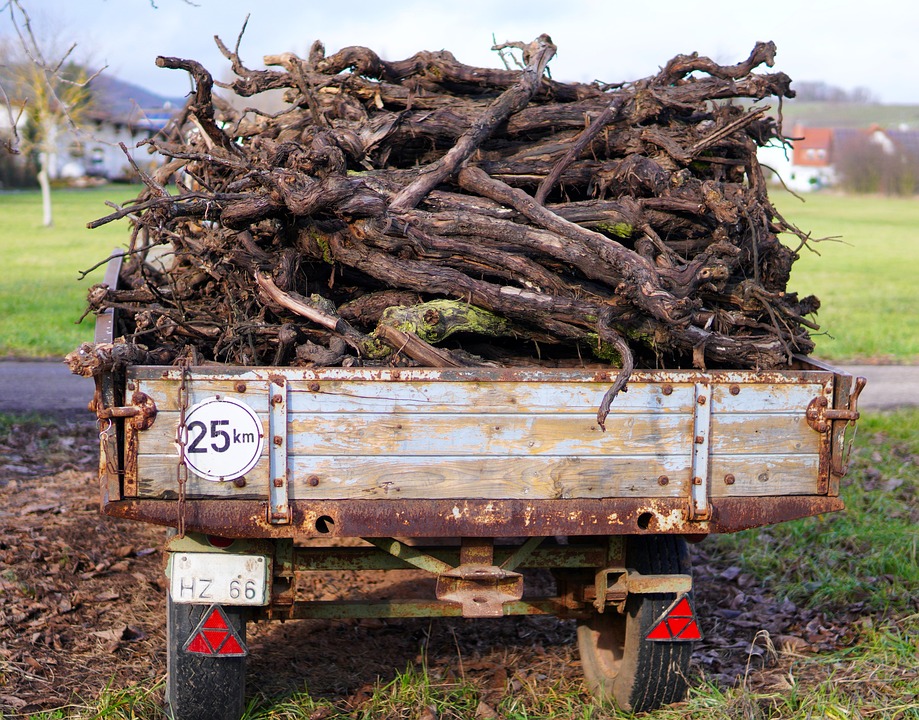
{"x": 40, "y": 291}
{"x": 867, "y": 281}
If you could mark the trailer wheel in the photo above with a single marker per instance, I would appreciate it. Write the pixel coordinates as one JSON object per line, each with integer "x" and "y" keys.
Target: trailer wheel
{"x": 619, "y": 664}
{"x": 201, "y": 687}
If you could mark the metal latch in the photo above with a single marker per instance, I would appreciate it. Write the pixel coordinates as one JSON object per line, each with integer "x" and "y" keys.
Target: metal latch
{"x": 142, "y": 411}
{"x": 820, "y": 416}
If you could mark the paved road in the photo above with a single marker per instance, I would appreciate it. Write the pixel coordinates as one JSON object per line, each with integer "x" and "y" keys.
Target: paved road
{"x": 47, "y": 385}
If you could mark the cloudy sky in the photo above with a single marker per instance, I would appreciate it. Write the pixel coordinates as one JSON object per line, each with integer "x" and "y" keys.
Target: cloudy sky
{"x": 844, "y": 43}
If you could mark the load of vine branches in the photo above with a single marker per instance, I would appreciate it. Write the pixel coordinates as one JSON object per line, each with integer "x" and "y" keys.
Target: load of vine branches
{"x": 426, "y": 212}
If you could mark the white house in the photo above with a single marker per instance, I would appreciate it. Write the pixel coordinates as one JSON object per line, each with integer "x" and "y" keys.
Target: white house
{"x": 95, "y": 151}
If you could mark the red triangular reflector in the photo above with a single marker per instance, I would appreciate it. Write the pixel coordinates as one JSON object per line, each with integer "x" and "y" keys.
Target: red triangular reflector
{"x": 199, "y": 645}
{"x": 215, "y": 621}
{"x": 691, "y": 632}
{"x": 678, "y": 622}
{"x": 215, "y": 638}
{"x": 681, "y": 609}
{"x": 231, "y": 647}
{"x": 215, "y": 635}
{"x": 660, "y": 632}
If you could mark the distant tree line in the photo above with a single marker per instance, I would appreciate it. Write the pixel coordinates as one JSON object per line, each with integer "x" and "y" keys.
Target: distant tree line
{"x": 865, "y": 166}
{"x": 824, "y": 92}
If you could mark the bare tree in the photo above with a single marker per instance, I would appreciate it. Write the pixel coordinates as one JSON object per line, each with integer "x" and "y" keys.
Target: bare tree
{"x": 866, "y": 166}
{"x": 52, "y": 92}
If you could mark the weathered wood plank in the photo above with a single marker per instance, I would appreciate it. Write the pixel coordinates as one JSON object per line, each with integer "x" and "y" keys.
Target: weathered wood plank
{"x": 522, "y": 478}
{"x": 764, "y": 397}
{"x": 758, "y": 434}
{"x": 764, "y": 475}
{"x": 392, "y": 478}
{"x": 165, "y": 393}
{"x": 365, "y": 434}
{"x": 434, "y": 397}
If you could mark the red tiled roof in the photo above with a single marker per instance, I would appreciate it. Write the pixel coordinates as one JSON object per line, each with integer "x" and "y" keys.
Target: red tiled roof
{"x": 814, "y": 149}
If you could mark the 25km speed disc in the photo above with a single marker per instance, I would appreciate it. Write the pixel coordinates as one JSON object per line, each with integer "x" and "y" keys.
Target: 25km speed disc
{"x": 222, "y": 439}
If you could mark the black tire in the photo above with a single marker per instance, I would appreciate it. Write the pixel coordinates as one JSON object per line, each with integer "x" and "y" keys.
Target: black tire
{"x": 201, "y": 687}
{"x": 619, "y": 664}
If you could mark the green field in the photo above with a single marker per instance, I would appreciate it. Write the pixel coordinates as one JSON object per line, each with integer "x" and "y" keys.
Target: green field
{"x": 866, "y": 282}
{"x": 40, "y": 291}
{"x": 848, "y": 115}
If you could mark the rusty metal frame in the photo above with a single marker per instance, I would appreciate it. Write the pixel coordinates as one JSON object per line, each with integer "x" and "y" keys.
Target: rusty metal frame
{"x": 626, "y": 581}
{"x": 475, "y": 518}
{"x": 801, "y": 374}
{"x": 108, "y": 393}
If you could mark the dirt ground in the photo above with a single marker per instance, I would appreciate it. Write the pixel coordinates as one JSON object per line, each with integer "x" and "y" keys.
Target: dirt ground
{"x": 82, "y": 607}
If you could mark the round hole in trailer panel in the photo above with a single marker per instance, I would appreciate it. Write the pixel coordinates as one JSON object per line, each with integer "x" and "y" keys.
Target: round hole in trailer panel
{"x": 324, "y": 524}
{"x": 644, "y": 520}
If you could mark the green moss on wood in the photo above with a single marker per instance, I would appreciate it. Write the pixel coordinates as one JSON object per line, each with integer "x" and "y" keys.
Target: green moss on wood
{"x": 436, "y": 320}
{"x": 620, "y": 229}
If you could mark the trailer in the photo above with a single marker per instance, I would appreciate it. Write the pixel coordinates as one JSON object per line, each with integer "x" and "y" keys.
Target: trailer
{"x": 471, "y": 475}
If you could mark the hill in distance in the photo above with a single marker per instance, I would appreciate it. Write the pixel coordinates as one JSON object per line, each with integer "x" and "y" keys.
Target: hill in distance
{"x": 846, "y": 115}
{"x": 121, "y": 97}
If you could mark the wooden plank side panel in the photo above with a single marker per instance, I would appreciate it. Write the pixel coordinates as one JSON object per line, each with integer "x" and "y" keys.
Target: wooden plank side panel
{"x": 765, "y": 475}
{"x": 390, "y": 478}
{"x": 489, "y": 435}
{"x": 165, "y": 393}
{"x": 432, "y": 397}
{"x": 761, "y": 434}
{"x": 766, "y": 397}
{"x": 501, "y": 439}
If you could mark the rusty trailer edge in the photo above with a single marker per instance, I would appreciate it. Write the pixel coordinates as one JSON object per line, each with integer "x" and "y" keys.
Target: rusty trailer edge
{"x": 474, "y": 518}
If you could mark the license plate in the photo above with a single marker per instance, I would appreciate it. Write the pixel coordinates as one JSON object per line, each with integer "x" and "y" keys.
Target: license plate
{"x": 219, "y": 578}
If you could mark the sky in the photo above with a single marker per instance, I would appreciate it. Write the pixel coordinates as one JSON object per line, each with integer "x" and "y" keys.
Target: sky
{"x": 843, "y": 43}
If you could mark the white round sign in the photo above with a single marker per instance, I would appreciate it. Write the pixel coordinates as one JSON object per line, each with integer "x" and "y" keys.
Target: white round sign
{"x": 222, "y": 439}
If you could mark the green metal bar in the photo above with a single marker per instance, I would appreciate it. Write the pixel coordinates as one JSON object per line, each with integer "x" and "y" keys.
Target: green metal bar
{"x": 412, "y": 556}
{"x": 365, "y": 558}
{"x": 342, "y": 609}
{"x": 522, "y": 553}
